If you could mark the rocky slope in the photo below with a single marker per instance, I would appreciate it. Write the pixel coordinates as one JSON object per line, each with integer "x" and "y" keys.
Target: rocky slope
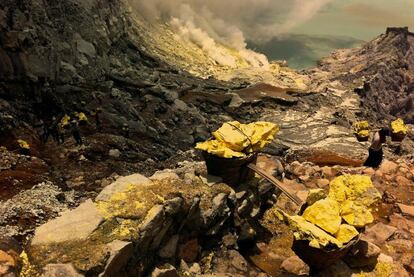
{"x": 384, "y": 70}
{"x": 59, "y": 57}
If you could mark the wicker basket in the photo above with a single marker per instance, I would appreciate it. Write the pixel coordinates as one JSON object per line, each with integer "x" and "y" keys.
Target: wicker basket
{"x": 233, "y": 171}
{"x": 361, "y": 138}
{"x": 398, "y": 136}
{"x": 319, "y": 259}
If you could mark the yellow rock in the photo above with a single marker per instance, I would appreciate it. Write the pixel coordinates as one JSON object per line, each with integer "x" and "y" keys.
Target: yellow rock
{"x": 353, "y": 187}
{"x": 324, "y": 214}
{"x": 81, "y": 116}
{"x": 235, "y": 140}
{"x": 356, "y": 214}
{"x": 346, "y": 233}
{"x": 304, "y": 230}
{"x": 64, "y": 122}
{"x": 315, "y": 195}
{"x": 363, "y": 133}
{"x": 398, "y": 127}
{"x": 361, "y": 128}
{"x": 23, "y": 144}
{"x": 27, "y": 269}
{"x": 219, "y": 149}
{"x": 246, "y": 137}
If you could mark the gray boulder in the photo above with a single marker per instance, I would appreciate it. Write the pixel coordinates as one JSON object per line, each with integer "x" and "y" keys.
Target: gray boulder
{"x": 73, "y": 225}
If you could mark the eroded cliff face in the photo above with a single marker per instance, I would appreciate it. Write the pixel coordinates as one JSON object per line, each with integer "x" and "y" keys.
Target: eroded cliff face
{"x": 383, "y": 68}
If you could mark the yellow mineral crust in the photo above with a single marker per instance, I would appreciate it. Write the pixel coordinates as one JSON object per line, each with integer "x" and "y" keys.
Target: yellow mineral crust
{"x": 363, "y": 133}
{"x": 23, "y": 144}
{"x": 361, "y": 128}
{"x": 127, "y": 204}
{"x": 398, "y": 127}
{"x": 27, "y": 269}
{"x": 64, "y": 121}
{"x": 219, "y": 148}
{"x": 349, "y": 200}
{"x": 352, "y": 187}
{"x": 234, "y": 140}
{"x": 81, "y": 116}
{"x": 346, "y": 233}
{"x": 314, "y": 196}
{"x": 324, "y": 214}
{"x": 304, "y": 230}
{"x": 239, "y": 137}
{"x": 356, "y": 214}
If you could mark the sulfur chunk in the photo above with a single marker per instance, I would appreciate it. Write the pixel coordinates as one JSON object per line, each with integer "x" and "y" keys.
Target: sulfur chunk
{"x": 304, "y": 230}
{"x": 81, "y": 116}
{"x": 246, "y": 137}
{"x": 23, "y": 144}
{"x": 355, "y": 214}
{"x": 398, "y": 127}
{"x": 352, "y": 187}
{"x": 64, "y": 122}
{"x": 260, "y": 133}
{"x": 363, "y": 133}
{"x": 361, "y": 128}
{"x": 325, "y": 214}
{"x": 315, "y": 195}
{"x": 346, "y": 233}
{"x": 231, "y": 134}
{"x": 219, "y": 149}
{"x": 361, "y": 125}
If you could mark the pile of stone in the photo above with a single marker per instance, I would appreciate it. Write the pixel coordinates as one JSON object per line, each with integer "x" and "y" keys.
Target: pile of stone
{"x": 136, "y": 222}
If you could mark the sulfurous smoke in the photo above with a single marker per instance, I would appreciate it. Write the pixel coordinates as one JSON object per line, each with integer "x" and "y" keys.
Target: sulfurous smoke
{"x": 211, "y": 23}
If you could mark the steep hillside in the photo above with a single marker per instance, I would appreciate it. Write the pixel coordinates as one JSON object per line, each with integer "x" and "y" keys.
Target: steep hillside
{"x": 384, "y": 68}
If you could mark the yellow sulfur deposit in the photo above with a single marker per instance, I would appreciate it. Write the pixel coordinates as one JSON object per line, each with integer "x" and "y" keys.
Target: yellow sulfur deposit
{"x": 27, "y": 269}
{"x": 353, "y": 187}
{"x": 398, "y": 127}
{"x": 361, "y": 128}
{"x": 220, "y": 149}
{"x": 346, "y": 233}
{"x": 315, "y": 195}
{"x": 234, "y": 140}
{"x": 64, "y": 122}
{"x": 304, "y": 230}
{"x": 324, "y": 214}
{"x": 81, "y": 116}
{"x": 356, "y": 214}
{"x": 23, "y": 144}
{"x": 349, "y": 200}
{"x": 363, "y": 133}
{"x": 355, "y": 194}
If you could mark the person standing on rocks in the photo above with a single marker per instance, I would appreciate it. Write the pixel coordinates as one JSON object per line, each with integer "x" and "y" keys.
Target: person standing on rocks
{"x": 55, "y": 131}
{"x": 74, "y": 126}
{"x": 97, "y": 115}
{"x": 125, "y": 130}
{"x": 375, "y": 150}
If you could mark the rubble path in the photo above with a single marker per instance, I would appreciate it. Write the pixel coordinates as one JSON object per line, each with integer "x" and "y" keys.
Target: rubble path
{"x": 392, "y": 230}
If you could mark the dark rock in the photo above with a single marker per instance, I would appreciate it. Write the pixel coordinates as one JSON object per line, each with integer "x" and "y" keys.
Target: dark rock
{"x": 170, "y": 248}
{"x": 120, "y": 253}
{"x": 364, "y": 253}
{"x": 165, "y": 271}
{"x": 276, "y": 149}
{"x": 189, "y": 251}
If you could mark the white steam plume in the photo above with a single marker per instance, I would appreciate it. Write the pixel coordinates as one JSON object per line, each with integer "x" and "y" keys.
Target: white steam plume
{"x": 208, "y": 23}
